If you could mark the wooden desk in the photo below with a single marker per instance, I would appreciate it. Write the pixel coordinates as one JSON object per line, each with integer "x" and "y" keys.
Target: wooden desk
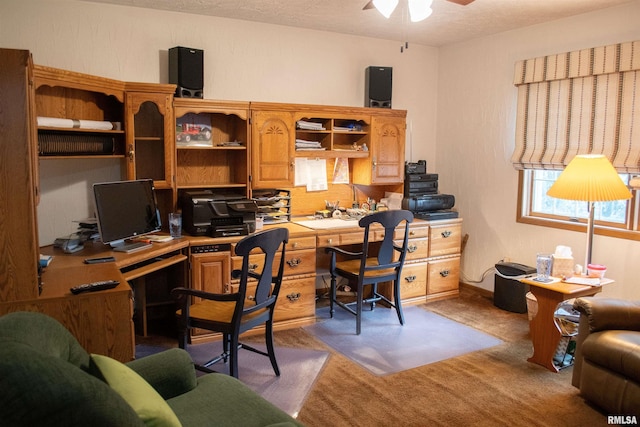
{"x": 101, "y": 321}
{"x": 545, "y": 333}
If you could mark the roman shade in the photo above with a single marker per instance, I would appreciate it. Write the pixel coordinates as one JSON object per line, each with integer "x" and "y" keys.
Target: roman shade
{"x": 580, "y": 102}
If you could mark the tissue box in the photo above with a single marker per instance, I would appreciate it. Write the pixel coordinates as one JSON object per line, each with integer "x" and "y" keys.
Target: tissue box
{"x": 562, "y": 266}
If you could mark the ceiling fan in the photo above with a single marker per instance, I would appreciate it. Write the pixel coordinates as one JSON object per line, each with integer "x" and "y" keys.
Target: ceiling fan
{"x": 418, "y": 9}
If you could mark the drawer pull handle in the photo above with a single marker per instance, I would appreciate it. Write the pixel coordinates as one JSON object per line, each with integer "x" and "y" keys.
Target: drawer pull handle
{"x": 251, "y": 297}
{"x": 446, "y": 234}
{"x": 293, "y": 297}
{"x": 444, "y": 273}
{"x": 329, "y": 241}
{"x": 294, "y": 262}
{"x": 412, "y": 248}
{"x": 412, "y": 233}
{"x": 410, "y": 278}
{"x": 252, "y": 267}
{"x": 295, "y": 244}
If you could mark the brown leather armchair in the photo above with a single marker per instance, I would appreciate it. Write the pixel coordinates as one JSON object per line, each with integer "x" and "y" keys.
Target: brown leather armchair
{"x": 607, "y": 363}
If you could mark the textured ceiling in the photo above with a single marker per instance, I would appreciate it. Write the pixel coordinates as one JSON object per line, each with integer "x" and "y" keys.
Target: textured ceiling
{"x": 448, "y": 24}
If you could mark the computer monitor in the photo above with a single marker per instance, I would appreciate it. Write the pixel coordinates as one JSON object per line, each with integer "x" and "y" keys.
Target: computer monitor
{"x": 126, "y": 209}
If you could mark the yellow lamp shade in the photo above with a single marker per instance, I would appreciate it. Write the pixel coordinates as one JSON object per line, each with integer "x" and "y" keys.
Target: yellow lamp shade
{"x": 591, "y": 178}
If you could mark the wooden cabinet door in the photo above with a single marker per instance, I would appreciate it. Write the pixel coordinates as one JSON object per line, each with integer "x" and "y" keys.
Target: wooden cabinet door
{"x": 272, "y": 147}
{"x": 211, "y": 272}
{"x": 150, "y": 136}
{"x": 385, "y": 164}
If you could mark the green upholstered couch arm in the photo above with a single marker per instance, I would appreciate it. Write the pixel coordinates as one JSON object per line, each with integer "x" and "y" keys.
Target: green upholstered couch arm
{"x": 171, "y": 372}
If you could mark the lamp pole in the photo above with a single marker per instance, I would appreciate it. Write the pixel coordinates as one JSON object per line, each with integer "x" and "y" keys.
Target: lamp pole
{"x": 587, "y": 259}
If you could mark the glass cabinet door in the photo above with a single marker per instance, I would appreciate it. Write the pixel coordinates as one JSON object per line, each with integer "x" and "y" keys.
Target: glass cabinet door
{"x": 149, "y": 138}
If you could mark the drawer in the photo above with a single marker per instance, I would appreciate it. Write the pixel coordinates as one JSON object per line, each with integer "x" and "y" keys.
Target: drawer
{"x": 414, "y": 281}
{"x": 413, "y": 232}
{"x": 298, "y": 243}
{"x": 443, "y": 275}
{"x": 296, "y": 262}
{"x": 297, "y": 298}
{"x": 416, "y": 248}
{"x": 445, "y": 239}
{"x": 340, "y": 239}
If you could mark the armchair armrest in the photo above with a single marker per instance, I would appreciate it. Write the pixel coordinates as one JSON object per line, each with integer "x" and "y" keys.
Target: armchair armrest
{"x": 170, "y": 372}
{"x": 333, "y": 250}
{"x": 609, "y": 313}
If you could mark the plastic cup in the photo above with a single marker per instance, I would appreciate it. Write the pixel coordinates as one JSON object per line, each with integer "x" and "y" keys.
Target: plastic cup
{"x": 175, "y": 224}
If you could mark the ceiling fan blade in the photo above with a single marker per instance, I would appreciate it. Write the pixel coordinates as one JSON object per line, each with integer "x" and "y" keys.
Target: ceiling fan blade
{"x": 461, "y": 2}
{"x": 369, "y": 5}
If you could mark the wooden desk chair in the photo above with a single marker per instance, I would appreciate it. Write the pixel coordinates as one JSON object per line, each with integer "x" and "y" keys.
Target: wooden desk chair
{"x": 368, "y": 268}
{"x": 233, "y": 314}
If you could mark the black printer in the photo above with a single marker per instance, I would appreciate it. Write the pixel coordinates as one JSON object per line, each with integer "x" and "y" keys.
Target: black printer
{"x": 205, "y": 213}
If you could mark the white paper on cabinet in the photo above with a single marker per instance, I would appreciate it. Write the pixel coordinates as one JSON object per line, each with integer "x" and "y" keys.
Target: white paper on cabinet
{"x": 312, "y": 173}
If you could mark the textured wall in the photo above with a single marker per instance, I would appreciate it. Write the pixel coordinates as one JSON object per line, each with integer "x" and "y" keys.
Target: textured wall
{"x": 476, "y": 129}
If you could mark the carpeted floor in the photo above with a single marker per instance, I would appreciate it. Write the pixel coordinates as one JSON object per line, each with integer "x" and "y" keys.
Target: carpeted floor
{"x": 385, "y": 346}
{"x": 298, "y": 370}
{"x": 491, "y": 387}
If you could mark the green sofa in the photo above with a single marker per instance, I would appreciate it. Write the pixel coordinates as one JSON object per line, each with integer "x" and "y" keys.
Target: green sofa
{"x": 47, "y": 378}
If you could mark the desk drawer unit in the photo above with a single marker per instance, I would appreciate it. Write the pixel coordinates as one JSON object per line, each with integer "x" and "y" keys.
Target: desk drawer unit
{"x": 413, "y": 283}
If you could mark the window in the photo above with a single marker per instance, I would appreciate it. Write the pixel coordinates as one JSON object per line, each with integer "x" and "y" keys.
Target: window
{"x": 580, "y": 102}
{"x": 618, "y": 218}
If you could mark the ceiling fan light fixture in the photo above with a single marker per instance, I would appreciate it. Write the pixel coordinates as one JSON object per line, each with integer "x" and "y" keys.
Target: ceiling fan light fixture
{"x": 385, "y": 7}
{"x": 420, "y": 10}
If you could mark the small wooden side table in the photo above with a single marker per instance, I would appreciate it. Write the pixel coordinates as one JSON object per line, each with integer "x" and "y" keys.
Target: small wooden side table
{"x": 545, "y": 333}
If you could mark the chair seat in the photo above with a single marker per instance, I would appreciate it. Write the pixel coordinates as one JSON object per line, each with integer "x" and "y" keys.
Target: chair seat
{"x": 218, "y": 311}
{"x": 352, "y": 267}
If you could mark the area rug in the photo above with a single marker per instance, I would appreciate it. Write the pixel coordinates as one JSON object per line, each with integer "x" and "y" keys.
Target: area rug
{"x": 385, "y": 347}
{"x": 299, "y": 369}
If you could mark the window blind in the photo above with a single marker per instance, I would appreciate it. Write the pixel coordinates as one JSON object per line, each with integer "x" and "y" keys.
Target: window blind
{"x": 581, "y": 102}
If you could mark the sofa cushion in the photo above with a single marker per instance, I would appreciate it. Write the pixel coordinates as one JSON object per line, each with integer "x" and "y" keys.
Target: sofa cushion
{"x": 147, "y": 403}
{"x": 617, "y": 350}
{"x": 223, "y": 401}
{"x": 40, "y": 389}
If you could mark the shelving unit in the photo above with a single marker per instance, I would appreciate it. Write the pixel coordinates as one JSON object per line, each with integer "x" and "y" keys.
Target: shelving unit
{"x": 66, "y": 98}
{"x": 212, "y": 145}
{"x": 332, "y": 137}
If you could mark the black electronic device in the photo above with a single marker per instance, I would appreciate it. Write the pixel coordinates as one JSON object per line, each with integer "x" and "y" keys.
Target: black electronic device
{"x": 509, "y": 292}
{"x": 420, "y": 184}
{"x": 378, "y": 85}
{"x": 436, "y": 215}
{"x": 94, "y": 286}
{"x": 429, "y": 202}
{"x": 419, "y": 167}
{"x": 205, "y": 213}
{"x": 186, "y": 70}
{"x": 126, "y": 209}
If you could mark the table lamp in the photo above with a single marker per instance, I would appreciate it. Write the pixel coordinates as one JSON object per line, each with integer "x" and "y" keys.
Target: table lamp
{"x": 590, "y": 178}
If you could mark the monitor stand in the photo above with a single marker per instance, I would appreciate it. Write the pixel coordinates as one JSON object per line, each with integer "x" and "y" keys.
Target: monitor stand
{"x": 129, "y": 246}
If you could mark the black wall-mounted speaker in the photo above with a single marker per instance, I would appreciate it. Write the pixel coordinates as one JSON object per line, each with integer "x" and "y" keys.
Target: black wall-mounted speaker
{"x": 186, "y": 70}
{"x": 377, "y": 90}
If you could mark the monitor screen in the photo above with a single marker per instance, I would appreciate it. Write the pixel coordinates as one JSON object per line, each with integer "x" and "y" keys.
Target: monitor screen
{"x": 125, "y": 209}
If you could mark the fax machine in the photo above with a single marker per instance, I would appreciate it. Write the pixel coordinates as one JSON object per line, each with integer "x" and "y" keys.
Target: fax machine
{"x": 205, "y": 213}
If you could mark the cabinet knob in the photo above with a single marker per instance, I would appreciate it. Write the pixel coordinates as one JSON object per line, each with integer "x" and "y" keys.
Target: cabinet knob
{"x": 131, "y": 153}
{"x": 444, "y": 273}
{"x": 329, "y": 241}
{"x": 293, "y": 297}
{"x": 412, "y": 233}
{"x": 446, "y": 234}
{"x": 294, "y": 262}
